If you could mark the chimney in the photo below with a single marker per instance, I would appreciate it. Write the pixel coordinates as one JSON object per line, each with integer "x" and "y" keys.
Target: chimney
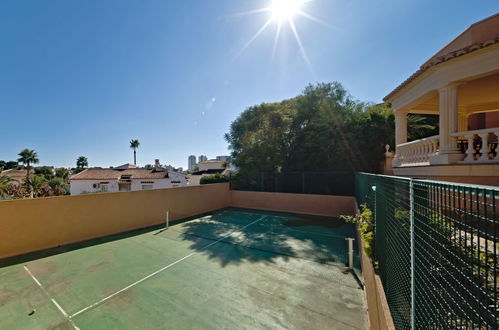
{"x": 156, "y": 163}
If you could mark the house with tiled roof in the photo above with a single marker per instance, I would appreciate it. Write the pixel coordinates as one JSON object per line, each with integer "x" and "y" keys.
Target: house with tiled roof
{"x": 125, "y": 178}
{"x": 460, "y": 83}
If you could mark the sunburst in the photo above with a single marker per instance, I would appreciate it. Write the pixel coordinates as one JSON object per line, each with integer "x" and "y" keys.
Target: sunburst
{"x": 282, "y": 13}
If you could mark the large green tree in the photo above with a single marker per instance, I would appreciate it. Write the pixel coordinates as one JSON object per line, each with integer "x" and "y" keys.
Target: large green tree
{"x": 134, "y": 144}
{"x": 323, "y": 129}
{"x": 28, "y": 157}
{"x": 81, "y": 162}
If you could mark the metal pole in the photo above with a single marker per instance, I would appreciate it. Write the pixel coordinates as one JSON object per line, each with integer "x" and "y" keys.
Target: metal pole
{"x": 167, "y": 219}
{"x": 411, "y": 218}
{"x": 350, "y": 252}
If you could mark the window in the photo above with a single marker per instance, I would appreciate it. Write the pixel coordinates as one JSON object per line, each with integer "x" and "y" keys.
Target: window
{"x": 125, "y": 187}
{"x": 146, "y": 186}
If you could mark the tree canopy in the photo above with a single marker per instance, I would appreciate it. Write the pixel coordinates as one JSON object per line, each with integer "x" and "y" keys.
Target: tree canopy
{"x": 322, "y": 129}
{"x": 81, "y": 162}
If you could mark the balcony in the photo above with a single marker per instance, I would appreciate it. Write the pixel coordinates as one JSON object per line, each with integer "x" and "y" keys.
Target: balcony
{"x": 479, "y": 146}
{"x": 476, "y": 147}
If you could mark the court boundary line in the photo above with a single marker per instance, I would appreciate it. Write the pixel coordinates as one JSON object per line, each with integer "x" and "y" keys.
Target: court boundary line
{"x": 63, "y": 312}
{"x": 103, "y": 300}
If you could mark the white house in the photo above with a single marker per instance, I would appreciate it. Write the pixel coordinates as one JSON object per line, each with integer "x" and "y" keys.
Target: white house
{"x": 125, "y": 178}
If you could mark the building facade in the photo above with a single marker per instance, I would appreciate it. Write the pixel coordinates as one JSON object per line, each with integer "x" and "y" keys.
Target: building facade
{"x": 128, "y": 179}
{"x": 191, "y": 162}
{"x": 460, "y": 83}
{"x": 202, "y": 158}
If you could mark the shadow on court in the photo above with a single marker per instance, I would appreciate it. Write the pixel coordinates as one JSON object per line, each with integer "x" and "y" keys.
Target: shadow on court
{"x": 270, "y": 237}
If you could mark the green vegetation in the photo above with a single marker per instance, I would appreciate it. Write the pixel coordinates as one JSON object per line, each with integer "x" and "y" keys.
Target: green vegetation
{"x": 8, "y": 165}
{"x": 28, "y": 157}
{"x": 35, "y": 185}
{"x": 45, "y": 171}
{"x": 43, "y": 183}
{"x": 365, "y": 222}
{"x": 81, "y": 164}
{"x": 323, "y": 129}
{"x": 215, "y": 178}
{"x": 419, "y": 126}
{"x": 4, "y": 184}
{"x": 134, "y": 144}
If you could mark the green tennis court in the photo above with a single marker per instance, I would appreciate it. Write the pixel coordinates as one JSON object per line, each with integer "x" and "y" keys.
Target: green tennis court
{"x": 230, "y": 269}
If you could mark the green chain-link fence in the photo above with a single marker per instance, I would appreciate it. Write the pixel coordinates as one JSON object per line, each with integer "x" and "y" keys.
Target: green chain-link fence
{"x": 323, "y": 183}
{"x": 436, "y": 248}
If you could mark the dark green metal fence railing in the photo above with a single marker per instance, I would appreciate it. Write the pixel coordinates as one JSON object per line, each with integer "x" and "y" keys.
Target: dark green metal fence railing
{"x": 437, "y": 250}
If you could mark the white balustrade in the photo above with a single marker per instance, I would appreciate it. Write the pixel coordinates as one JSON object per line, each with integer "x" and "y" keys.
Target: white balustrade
{"x": 488, "y": 138}
{"x": 416, "y": 153}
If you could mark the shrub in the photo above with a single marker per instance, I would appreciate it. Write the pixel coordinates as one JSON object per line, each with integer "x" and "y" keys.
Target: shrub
{"x": 366, "y": 227}
{"x": 216, "y": 178}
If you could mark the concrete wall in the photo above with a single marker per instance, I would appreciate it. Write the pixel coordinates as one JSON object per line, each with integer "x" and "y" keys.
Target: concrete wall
{"x": 35, "y": 224}
{"x": 378, "y": 312}
{"x": 325, "y": 205}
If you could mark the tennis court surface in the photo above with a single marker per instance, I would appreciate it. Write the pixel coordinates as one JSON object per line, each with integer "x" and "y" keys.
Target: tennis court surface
{"x": 230, "y": 269}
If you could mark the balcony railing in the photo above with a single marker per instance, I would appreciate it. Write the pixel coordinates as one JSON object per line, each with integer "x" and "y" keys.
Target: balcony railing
{"x": 480, "y": 146}
{"x": 416, "y": 153}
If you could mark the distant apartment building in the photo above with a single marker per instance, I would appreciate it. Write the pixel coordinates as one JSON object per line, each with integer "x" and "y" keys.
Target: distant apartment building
{"x": 125, "y": 178}
{"x": 222, "y": 158}
{"x": 202, "y": 158}
{"x": 191, "y": 162}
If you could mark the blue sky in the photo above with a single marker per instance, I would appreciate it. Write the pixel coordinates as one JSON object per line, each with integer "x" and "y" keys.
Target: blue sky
{"x": 86, "y": 77}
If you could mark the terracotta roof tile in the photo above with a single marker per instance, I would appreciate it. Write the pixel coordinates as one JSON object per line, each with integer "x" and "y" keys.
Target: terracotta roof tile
{"x": 441, "y": 59}
{"x": 114, "y": 174}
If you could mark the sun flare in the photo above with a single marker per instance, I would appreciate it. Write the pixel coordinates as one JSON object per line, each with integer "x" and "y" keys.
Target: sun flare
{"x": 285, "y": 9}
{"x": 283, "y": 14}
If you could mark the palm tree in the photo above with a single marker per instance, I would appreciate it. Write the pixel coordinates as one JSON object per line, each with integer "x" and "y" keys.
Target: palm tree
{"x": 34, "y": 184}
{"x": 134, "y": 144}
{"x": 4, "y": 184}
{"x": 28, "y": 157}
{"x": 421, "y": 126}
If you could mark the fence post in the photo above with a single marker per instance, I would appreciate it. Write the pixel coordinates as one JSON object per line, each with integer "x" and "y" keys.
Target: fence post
{"x": 411, "y": 219}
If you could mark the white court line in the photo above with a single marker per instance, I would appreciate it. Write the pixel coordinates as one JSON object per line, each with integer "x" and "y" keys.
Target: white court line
{"x": 157, "y": 272}
{"x": 52, "y": 299}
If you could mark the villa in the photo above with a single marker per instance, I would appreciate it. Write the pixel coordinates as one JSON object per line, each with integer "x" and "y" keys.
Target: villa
{"x": 460, "y": 83}
{"x": 125, "y": 178}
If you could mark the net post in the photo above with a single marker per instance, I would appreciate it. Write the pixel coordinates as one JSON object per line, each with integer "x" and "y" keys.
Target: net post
{"x": 350, "y": 252}
{"x": 411, "y": 219}
{"x": 167, "y": 219}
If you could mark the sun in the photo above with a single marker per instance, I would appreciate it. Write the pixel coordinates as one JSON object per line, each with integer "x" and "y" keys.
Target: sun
{"x": 282, "y": 14}
{"x": 285, "y": 9}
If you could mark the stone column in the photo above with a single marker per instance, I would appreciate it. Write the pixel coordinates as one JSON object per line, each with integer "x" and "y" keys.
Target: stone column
{"x": 448, "y": 153}
{"x": 400, "y": 128}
